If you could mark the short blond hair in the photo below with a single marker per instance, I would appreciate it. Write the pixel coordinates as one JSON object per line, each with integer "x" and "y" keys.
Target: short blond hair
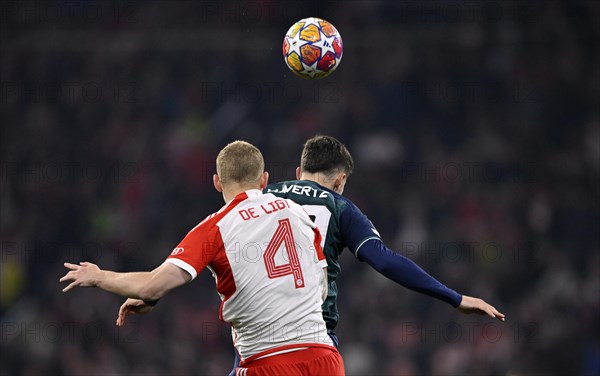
{"x": 240, "y": 162}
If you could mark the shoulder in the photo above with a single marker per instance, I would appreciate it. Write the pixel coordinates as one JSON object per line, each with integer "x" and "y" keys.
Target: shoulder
{"x": 352, "y": 215}
{"x": 343, "y": 205}
{"x": 348, "y": 205}
{"x": 211, "y": 222}
{"x": 204, "y": 229}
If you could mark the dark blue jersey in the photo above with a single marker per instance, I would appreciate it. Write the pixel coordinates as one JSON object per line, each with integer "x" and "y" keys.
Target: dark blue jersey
{"x": 343, "y": 225}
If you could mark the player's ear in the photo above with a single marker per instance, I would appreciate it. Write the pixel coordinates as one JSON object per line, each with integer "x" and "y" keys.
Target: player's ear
{"x": 217, "y": 183}
{"x": 298, "y": 173}
{"x": 340, "y": 182}
{"x": 264, "y": 180}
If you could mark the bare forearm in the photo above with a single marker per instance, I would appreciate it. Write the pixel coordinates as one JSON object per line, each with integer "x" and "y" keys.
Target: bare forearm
{"x": 129, "y": 285}
{"x": 144, "y": 285}
{"x": 138, "y": 285}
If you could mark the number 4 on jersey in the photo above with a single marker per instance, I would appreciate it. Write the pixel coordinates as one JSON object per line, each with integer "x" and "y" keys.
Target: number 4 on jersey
{"x": 283, "y": 235}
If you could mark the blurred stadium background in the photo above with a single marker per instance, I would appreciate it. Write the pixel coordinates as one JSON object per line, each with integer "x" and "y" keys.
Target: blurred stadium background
{"x": 476, "y": 135}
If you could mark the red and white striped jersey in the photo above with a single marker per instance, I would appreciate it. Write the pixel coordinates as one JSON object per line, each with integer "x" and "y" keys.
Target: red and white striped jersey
{"x": 265, "y": 254}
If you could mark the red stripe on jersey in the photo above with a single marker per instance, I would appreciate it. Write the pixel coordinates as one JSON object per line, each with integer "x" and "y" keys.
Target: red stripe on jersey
{"x": 317, "y": 243}
{"x": 222, "y": 269}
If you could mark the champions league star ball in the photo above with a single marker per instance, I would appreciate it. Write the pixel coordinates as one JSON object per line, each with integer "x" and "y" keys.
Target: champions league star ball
{"x": 312, "y": 48}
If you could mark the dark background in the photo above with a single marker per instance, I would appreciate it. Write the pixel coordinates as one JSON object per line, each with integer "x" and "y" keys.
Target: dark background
{"x": 476, "y": 135}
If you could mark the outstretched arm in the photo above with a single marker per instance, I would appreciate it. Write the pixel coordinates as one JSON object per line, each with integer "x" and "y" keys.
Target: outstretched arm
{"x": 147, "y": 286}
{"x": 405, "y": 272}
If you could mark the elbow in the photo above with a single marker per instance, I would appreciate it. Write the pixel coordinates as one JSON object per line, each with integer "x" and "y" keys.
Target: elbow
{"x": 380, "y": 266}
{"x": 387, "y": 271}
{"x": 150, "y": 293}
{"x": 387, "y": 268}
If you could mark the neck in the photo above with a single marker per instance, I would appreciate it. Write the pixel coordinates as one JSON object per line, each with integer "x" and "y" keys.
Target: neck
{"x": 232, "y": 190}
{"x": 318, "y": 177}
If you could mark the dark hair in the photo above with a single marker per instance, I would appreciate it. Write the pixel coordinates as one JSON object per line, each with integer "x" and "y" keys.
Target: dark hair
{"x": 326, "y": 154}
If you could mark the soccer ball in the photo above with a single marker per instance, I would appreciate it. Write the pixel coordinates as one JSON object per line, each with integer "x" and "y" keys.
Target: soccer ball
{"x": 312, "y": 48}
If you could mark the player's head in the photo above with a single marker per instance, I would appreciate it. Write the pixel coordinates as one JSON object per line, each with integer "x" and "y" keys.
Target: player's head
{"x": 240, "y": 166}
{"x": 328, "y": 157}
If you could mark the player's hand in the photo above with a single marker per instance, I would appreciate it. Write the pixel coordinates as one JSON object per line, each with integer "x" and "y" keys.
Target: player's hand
{"x": 469, "y": 304}
{"x": 85, "y": 274}
{"x": 132, "y": 307}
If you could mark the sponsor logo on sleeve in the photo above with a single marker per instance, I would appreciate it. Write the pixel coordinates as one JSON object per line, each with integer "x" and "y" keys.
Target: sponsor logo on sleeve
{"x": 177, "y": 251}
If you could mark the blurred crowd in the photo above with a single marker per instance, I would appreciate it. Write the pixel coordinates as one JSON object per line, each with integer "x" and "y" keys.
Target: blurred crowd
{"x": 475, "y": 131}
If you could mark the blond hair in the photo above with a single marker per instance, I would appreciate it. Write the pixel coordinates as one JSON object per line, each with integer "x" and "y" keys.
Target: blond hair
{"x": 240, "y": 162}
